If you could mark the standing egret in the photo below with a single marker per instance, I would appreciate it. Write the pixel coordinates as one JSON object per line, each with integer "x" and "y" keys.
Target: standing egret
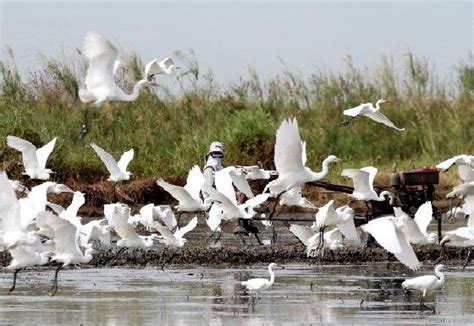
{"x": 290, "y": 160}
{"x": 426, "y": 282}
{"x": 388, "y": 232}
{"x": 368, "y": 110}
{"x": 100, "y": 84}
{"x": 258, "y": 285}
{"x": 34, "y": 159}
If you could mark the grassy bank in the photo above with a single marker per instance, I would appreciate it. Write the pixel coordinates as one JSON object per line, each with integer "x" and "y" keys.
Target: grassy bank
{"x": 171, "y": 128}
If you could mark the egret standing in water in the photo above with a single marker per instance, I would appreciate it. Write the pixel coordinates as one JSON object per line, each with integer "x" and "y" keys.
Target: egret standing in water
{"x": 426, "y": 282}
{"x": 258, "y": 285}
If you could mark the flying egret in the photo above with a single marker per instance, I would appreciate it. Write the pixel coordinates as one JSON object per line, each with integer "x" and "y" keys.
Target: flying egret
{"x": 363, "y": 180}
{"x": 175, "y": 239}
{"x": 34, "y": 159}
{"x": 464, "y": 236}
{"x": 188, "y": 196}
{"x": 290, "y": 160}
{"x": 461, "y": 191}
{"x": 255, "y": 172}
{"x": 332, "y": 239}
{"x": 388, "y": 232}
{"x": 294, "y": 198}
{"x": 426, "y": 282}
{"x": 156, "y": 67}
{"x": 368, "y": 110}
{"x": 98, "y": 230}
{"x": 118, "y": 170}
{"x": 465, "y": 165}
{"x": 416, "y": 229}
{"x": 342, "y": 218}
{"x": 66, "y": 245}
{"x": 100, "y": 84}
{"x": 258, "y": 285}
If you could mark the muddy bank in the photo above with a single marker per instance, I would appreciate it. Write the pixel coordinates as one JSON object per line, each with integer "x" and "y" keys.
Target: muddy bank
{"x": 234, "y": 256}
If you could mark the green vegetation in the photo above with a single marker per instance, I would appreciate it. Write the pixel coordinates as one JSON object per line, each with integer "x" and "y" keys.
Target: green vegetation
{"x": 171, "y": 128}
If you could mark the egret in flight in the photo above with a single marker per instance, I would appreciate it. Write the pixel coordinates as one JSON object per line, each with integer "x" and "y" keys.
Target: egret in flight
{"x": 100, "y": 84}
{"x": 368, "y": 110}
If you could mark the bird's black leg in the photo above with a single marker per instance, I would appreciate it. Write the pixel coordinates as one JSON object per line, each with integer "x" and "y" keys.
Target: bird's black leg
{"x": 14, "y": 280}
{"x": 178, "y": 217}
{"x": 163, "y": 258}
{"x": 258, "y": 239}
{"x": 54, "y": 288}
{"x": 467, "y": 260}
{"x": 81, "y": 133}
{"x": 442, "y": 255}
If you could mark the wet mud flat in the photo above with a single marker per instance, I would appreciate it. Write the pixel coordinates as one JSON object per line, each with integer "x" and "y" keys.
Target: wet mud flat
{"x": 235, "y": 256}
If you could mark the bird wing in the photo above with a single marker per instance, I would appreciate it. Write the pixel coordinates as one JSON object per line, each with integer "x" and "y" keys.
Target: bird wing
{"x": 304, "y": 157}
{"x": 66, "y": 234}
{"x": 164, "y": 231}
{"x": 179, "y": 193}
{"x": 156, "y": 67}
{"x": 224, "y": 185}
{"x": 166, "y": 215}
{"x": 348, "y": 229}
{"x": 194, "y": 182}
{"x": 380, "y": 118}
{"x": 187, "y": 228}
{"x": 78, "y": 200}
{"x": 255, "y": 201}
{"x": 384, "y": 231}
{"x": 214, "y": 219}
{"x": 423, "y": 216}
{"x": 360, "y": 179}
{"x": 407, "y": 256}
{"x": 107, "y": 159}
{"x": 466, "y": 233}
{"x": 302, "y": 232}
{"x": 218, "y": 197}
{"x": 57, "y": 209}
{"x": 469, "y": 209}
{"x": 9, "y": 206}
{"x": 43, "y": 153}
{"x": 360, "y": 109}
{"x": 288, "y": 148}
{"x": 240, "y": 182}
{"x": 445, "y": 165}
{"x": 372, "y": 171}
{"x": 325, "y": 213}
{"x": 466, "y": 173}
{"x": 101, "y": 55}
{"x": 333, "y": 235}
{"x": 117, "y": 64}
{"x": 126, "y": 158}
{"x": 27, "y": 149}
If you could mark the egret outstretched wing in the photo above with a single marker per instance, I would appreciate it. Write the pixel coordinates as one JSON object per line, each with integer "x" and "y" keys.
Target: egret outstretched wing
{"x": 379, "y": 117}
{"x": 126, "y": 158}
{"x": 240, "y": 182}
{"x": 107, "y": 159}
{"x": 423, "y": 216}
{"x": 288, "y": 148}
{"x": 43, "y": 153}
{"x": 302, "y": 232}
{"x": 181, "y": 232}
{"x": 27, "y": 149}
{"x": 179, "y": 193}
{"x": 194, "y": 182}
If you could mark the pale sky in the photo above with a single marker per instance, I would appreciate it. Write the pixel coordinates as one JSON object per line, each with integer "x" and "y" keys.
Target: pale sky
{"x": 231, "y": 36}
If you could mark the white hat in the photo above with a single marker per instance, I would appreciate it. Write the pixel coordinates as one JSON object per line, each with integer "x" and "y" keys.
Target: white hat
{"x": 216, "y": 147}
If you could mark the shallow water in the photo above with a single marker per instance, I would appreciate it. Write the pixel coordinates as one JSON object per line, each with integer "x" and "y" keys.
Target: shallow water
{"x": 317, "y": 294}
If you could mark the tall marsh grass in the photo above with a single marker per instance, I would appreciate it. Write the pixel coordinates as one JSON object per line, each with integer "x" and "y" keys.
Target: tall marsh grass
{"x": 170, "y": 128}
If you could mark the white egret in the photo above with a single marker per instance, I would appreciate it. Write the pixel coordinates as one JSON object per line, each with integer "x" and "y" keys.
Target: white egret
{"x": 388, "y": 232}
{"x": 342, "y": 218}
{"x": 98, "y": 230}
{"x": 26, "y": 256}
{"x": 257, "y": 285}
{"x": 463, "y": 236}
{"x": 368, "y": 110}
{"x": 34, "y": 159}
{"x": 290, "y": 160}
{"x": 331, "y": 239}
{"x": 426, "y": 282}
{"x": 175, "y": 239}
{"x": 156, "y": 67}
{"x": 118, "y": 170}
{"x": 462, "y": 190}
{"x": 416, "y": 229}
{"x": 188, "y": 196}
{"x": 255, "y": 172}
{"x": 294, "y": 198}
{"x": 100, "y": 84}
{"x": 363, "y": 180}
{"x": 465, "y": 165}
{"x": 12, "y": 232}
{"x": 66, "y": 245}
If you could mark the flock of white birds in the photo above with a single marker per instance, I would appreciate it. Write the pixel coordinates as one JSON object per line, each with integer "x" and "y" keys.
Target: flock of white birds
{"x": 36, "y": 231}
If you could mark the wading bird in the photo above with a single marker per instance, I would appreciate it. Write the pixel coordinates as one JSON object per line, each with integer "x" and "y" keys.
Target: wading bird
{"x": 100, "y": 84}
{"x": 258, "y": 285}
{"x": 34, "y": 159}
{"x": 426, "y": 282}
{"x": 368, "y": 110}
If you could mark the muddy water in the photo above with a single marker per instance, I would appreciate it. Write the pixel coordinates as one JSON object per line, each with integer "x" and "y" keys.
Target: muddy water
{"x": 317, "y": 294}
